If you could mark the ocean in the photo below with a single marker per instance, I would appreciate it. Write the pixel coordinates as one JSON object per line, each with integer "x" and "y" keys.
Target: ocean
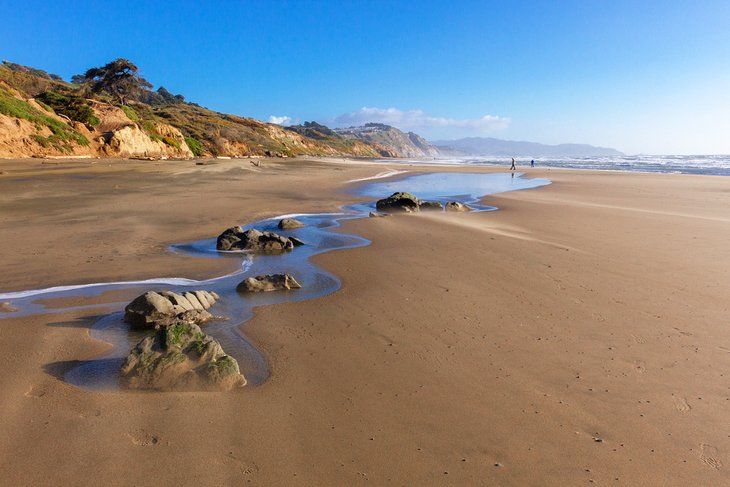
{"x": 718, "y": 165}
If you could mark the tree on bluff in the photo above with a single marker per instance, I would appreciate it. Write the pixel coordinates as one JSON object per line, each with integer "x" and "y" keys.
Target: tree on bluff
{"x": 119, "y": 78}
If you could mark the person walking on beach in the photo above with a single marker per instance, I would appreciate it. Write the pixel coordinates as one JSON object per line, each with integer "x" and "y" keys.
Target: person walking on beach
{"x": 532, "y": 163}
{"x": 513, "y": 165}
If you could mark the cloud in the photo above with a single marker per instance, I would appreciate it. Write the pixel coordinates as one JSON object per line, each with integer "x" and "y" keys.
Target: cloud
{"x": 418, "y": 119}
{"x": 283, "y": 120}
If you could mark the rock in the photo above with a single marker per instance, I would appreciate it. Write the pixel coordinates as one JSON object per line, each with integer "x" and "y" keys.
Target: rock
{"x": 431, "y": 206}
{"x": 181, "y": 357}
{"x": 290, "y": 224}
{"x": 398, "y": 202}
{"x": 236, "y": 238}
{"x": 296, "y": 242}
{"x": 375, "y": 214}
{"x": 269, "y": 282}
{"x": 6, "y": 307}
{"x": 153, "y": 309}
{"x": 456, "y": 206}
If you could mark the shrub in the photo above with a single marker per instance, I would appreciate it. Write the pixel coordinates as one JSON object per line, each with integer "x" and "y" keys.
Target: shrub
{"x": 195, "y": 146}
{"x": 73, "y": 107}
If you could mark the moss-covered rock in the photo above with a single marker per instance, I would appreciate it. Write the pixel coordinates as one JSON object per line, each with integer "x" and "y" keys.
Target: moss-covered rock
{"x": 181, "y": 357}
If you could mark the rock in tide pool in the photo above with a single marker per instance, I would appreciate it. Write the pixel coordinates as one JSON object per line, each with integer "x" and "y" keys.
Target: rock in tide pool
{"x": 236, "y": 238}
{"x": 289, "y": 224}
{"x": 181, "y": 357}
{"x": 269, "y": 282}
{"x": 456, "y": 206}
{"x": 430, "y": 206}
{"x": 6, "y": 307}
{"x": 399, "y": 201}
{"x": 160, "y": 309}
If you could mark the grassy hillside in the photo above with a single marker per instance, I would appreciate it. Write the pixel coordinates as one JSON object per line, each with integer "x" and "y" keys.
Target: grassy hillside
{"x": 63, "y": 107}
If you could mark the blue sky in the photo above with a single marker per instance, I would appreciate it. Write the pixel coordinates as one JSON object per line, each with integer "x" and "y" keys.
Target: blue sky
{"x": 639, "y": 76}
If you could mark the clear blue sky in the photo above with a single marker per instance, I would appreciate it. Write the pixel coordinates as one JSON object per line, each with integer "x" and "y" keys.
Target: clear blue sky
{"x": 640, "y": 76}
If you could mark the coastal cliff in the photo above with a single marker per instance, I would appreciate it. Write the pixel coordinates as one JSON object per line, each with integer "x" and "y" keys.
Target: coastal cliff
{"x": 41, "y": 115}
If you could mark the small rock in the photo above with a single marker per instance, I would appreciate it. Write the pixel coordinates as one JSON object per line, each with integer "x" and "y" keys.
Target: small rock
{"x": 431, "y": 206}
{"x": 236, "y": 238}
{"x": 6, "y": 307}
{"x": 456, "y": 206}
{"x": 160, "y": 309}
{"x": 399, "y": 201}
{"x": 375, "y": 214}
{"x": 289, "y": 224}
{"x": 269, "y": 282}
{"x": 296, "y": 242}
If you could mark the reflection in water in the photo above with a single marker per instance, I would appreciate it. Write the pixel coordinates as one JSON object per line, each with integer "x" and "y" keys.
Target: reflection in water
{"x": 103, "y": 373}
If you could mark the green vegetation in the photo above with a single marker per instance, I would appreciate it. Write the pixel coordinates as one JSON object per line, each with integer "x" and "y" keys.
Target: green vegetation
{"x": 195, "y": 147}
{"x": 174, "y": 335}
{"x": 71, "y": 106}
{"x": 62, "y": 136}
{"x": 130, "y": 113}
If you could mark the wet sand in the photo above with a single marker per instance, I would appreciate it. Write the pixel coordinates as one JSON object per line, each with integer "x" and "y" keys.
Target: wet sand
{"x": 579, "y": 333}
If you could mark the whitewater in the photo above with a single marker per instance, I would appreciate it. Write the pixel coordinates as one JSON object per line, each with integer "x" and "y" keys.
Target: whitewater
{"x": 718, "y": 165}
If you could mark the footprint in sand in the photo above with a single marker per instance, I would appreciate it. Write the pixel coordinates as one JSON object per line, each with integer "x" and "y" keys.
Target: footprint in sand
{"x": 638, "y": 338}
{"x": 640, "y": 366}
{"x": 35, "y": 392}
{"x": 709, "y": 455}
{"x": 144, "y": 439}
{"x": 681, "y": 404}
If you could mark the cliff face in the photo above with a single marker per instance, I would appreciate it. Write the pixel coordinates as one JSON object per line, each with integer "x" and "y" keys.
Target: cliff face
{"x": 391, "y": 142}
{"x": 30, "y": 129}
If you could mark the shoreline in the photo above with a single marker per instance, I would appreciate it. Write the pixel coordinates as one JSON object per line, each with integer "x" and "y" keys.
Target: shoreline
{"x": 589, "y": 308}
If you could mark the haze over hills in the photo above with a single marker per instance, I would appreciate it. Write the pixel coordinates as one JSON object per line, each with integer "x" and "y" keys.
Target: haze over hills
{"x": 488, "y": 146}
{"x": 394, "y": 142}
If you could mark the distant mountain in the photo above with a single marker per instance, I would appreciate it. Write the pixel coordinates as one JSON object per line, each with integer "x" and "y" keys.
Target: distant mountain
{"x": 487, "y": 146}
{"x": 390, "y": 141}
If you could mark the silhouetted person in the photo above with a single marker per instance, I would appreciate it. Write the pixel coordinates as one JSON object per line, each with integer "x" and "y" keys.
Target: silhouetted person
{"x": 532, "y": 163}
{"x": 513, "y": 165}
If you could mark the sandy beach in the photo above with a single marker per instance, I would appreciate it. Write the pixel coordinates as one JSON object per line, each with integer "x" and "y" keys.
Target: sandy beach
{"x": 578, "y": 335}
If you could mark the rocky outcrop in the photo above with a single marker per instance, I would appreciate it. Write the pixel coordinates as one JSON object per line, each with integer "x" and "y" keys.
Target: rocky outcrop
{"x": 160, "y": 309}
{"x": 236, "y": 238}
{"x": 131, "y": 141}
{"x": 400, "y": 201}
{"x": 290, "y": 224}
{"x": 181, "y": 357}
{"x": 268, "y": 282}
{"x": 456, "y": 206}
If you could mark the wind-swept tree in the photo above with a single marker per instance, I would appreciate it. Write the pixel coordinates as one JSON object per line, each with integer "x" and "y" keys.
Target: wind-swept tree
{"x": 119, "y": 78}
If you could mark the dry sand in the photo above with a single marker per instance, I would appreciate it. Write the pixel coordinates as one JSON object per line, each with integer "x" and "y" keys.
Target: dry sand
{"x": 579, "y": 334}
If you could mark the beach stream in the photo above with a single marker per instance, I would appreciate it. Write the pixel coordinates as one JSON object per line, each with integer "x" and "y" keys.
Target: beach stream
{"x": 234, "y": 308}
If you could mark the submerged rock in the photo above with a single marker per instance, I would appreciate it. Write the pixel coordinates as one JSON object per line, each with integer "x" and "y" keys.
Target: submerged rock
{"x": 236, "y": 238}
{"x": 289, "y": 224}
{"x": 6, "y": 307}
{"x": 181, "y": 357}
{"x": 160, "y": 309}
{"x": 295, "y": 241}
{"x": 456, "y": 206}
{"x": 268, "y": 282}
{"x": 399, "y": 201}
